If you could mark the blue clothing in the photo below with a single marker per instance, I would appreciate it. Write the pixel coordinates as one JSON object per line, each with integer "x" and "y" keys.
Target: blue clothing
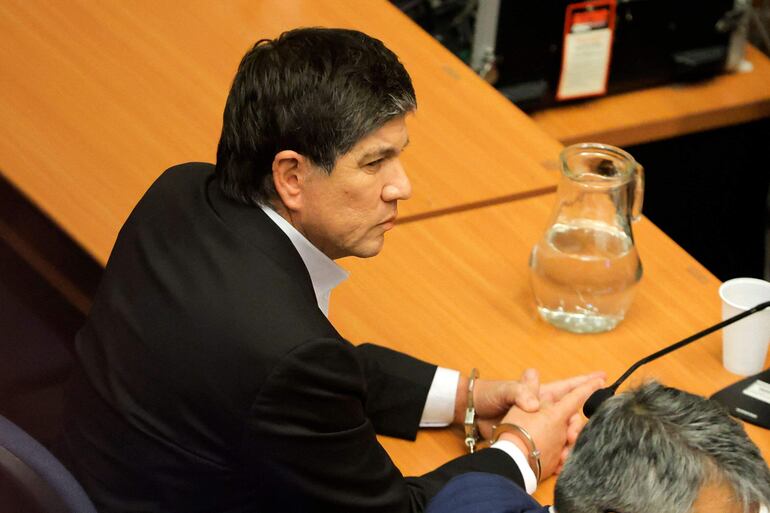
{"x": 480, "y": 492}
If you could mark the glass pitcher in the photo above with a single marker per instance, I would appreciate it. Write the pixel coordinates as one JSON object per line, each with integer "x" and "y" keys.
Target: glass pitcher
{"x": 585, "y": 268}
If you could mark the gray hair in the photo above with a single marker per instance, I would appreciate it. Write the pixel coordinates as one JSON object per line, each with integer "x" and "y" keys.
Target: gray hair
{"x": 651, "y": 449}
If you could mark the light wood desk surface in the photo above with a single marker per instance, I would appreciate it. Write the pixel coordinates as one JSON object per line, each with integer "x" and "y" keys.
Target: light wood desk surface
{"x": 667, "y": 111}
{"x": 455, "y": 291}
{"x": 98, "y": 98}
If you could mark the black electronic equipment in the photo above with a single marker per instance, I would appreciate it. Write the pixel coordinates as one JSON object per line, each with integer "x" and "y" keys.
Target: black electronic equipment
{"x": 651, "y": 42}
{"x": 748, "y": 399}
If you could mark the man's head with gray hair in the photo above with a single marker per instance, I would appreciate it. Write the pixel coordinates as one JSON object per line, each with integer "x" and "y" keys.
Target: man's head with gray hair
{"x": 656, "y": 449}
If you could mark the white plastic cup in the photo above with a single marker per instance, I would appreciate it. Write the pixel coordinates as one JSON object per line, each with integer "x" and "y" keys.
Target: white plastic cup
{"x": 744, "y": 344}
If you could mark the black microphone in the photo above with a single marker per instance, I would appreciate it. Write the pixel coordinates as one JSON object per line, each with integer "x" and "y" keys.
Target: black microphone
{"x": 598, "y": 397}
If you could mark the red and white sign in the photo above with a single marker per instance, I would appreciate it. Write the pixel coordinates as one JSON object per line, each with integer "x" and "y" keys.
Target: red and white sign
{"x": 587, "y": 49}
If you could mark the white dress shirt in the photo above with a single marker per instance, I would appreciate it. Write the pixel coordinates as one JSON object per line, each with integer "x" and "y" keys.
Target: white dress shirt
{"x": 324, "y": 273}
{"x": 439, "y": 409}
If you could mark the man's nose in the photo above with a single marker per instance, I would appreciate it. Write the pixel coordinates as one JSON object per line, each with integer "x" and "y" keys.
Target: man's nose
{"x": 398, "y": 187}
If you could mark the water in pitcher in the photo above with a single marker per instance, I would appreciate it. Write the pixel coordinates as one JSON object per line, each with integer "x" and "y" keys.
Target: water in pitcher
{"x": 584, "y": 275}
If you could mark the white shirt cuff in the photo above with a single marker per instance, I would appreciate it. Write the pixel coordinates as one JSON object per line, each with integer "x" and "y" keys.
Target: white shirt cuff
{"x": 512, "y": 450}
{"x": 439, "y": 408}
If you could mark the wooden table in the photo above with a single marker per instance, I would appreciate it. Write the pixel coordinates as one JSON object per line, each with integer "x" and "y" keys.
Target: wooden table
{"x": 98, "y": 98}
{"x": 663, "y": 112}
{"x": 455, "y": 290}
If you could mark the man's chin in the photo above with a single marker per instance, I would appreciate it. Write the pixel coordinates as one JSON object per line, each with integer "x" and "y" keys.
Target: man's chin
{"x": 370, "y": 249}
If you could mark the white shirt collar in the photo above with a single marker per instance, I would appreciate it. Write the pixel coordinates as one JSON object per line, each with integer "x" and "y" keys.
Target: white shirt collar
{"x": 324, "y": 273}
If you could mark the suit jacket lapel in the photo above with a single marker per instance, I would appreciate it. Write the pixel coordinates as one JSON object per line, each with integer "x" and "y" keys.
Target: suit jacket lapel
{"x": 259, "y": 232}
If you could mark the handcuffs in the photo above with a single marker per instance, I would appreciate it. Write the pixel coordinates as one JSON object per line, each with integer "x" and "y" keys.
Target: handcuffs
{"x": 471, "y": 426}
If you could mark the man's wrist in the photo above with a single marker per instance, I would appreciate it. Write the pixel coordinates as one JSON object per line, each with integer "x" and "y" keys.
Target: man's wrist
{"x": 515, "y": 440}
{"x": 532, "y": 452}
{"x": 520, "y": 459}
{"x": 461, "y": 400}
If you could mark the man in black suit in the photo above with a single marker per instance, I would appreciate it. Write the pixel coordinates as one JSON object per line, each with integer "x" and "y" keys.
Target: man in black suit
{"x": 211, "y": 379}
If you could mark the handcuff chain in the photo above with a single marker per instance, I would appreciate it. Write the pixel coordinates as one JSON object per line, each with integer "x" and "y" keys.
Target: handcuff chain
{"x": 471, "y": 424}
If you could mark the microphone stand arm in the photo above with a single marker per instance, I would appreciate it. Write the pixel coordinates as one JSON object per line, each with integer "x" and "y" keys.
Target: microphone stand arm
{"x": 684, "y": 342}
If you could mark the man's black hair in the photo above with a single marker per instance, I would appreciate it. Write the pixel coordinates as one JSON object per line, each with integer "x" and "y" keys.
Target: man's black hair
{"x": 316, "y": 91}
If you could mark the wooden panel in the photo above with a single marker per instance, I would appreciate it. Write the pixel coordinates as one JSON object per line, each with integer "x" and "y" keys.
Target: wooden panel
{"x": 98, "y": 98}
{"x": 667, "y": 111}
{"x": 455, "y": 291}
{"x": 52, "y": 255}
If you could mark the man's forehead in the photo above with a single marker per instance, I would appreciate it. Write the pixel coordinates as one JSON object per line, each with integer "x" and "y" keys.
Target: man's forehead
{"x": 716, "y": 497}
{"x": 380, "y": 148}
{"x": 387, "y": 140}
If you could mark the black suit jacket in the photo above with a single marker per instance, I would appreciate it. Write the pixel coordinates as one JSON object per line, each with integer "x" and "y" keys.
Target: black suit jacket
{"x": 210, "y": 381}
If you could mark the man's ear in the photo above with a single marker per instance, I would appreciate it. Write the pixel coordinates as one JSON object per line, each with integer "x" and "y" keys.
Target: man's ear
{"x": 290, "y": 170}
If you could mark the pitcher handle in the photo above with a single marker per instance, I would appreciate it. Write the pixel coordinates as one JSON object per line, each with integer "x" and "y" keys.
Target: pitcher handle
{"x": 637, "y": 193}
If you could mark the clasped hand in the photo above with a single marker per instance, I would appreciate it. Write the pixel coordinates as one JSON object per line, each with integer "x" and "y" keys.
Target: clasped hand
{"x": 549, "y": 412}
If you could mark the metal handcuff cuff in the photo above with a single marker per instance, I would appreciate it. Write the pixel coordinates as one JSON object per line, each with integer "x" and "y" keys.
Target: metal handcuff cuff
{"x": 471, "y": 424}
{"x": 472, "y": 430}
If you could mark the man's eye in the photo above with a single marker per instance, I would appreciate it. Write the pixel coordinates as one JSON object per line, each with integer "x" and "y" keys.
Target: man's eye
{"x": 375, "y": 163}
